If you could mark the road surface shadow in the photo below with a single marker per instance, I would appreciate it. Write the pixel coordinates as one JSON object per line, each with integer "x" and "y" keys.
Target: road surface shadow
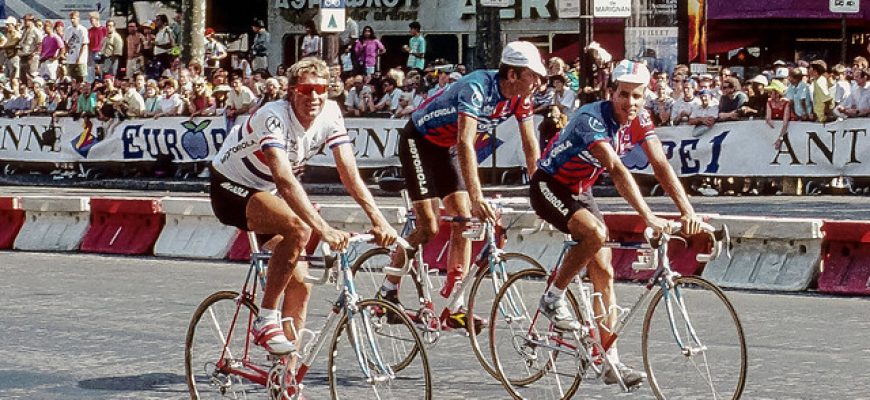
{"x": 144, "y": 382}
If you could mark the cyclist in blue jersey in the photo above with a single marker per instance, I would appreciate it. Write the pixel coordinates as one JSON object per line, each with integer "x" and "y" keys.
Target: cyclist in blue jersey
{"x": 600, "y": 136}
{"x": 439, "y": 161}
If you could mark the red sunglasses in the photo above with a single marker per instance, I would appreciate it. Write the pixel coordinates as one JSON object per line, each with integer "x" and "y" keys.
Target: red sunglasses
{"x": 307, "y": 88}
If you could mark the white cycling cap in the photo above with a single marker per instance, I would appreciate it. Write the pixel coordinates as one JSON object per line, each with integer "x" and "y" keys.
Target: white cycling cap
{"x": 631, "y": 72}
{"x": 524, "y": 54}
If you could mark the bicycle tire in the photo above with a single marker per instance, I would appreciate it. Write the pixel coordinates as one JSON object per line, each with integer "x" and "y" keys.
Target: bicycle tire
{"x": 476, "y": 302}
{"x": 709, "y": 327}
{"x": 368, "y": 287}
{"x": 220, "y": 310}
{"x": 364, "y": 347}
{"x": 528, "y": 300}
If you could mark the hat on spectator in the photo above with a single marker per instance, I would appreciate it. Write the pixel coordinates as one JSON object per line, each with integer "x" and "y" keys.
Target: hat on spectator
{"x": 38, "y": 81}
{"x": 778, "y": 62}
{"x": 209, "y": 31}
{"x": 523, "y": 54}
{"x": 11, "y": 21}
{"x": 781, "y": 73}
{"x": 759, "y": 79}
{"x": 58, "y": 23}
{"x": 631, "y": 72}
{"x": 455, "y": 76}
{"x": 776, "y": 86}
{"x": 222, "y": 88}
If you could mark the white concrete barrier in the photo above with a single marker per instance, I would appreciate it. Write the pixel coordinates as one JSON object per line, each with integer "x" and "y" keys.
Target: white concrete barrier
{"x": 192, "y": 231}
{"x": 530, "y": 235}
{"x": 780, "y": 254}
{"x": 352, "y": 218}
{"x": 53, "y": 223}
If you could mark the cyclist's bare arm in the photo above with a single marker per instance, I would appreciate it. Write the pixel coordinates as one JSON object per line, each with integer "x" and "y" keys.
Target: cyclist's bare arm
{"x": 530, "y": 145}
{"x": 467, "y": 127}
{"x": 625, "y": 184}
{"x": 345, "y": 162}
{"x": 292, "y": 192}
{"x": 671, "y": 184}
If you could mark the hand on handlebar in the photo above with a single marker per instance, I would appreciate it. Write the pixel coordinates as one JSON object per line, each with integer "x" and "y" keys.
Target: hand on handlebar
{"x": 482, "y": 210}
{"x": 384, "y": 235}
{"x": 691, "y": 224}
{"x": 336, "y": 239}
{"x": 659, "y": 225}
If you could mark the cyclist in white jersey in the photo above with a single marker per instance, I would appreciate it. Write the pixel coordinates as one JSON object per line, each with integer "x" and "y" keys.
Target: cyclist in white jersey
{"x": 264, "y": 157}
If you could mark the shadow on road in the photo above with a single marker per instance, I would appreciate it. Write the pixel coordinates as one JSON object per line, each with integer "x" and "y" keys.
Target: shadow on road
{"x": 152, "y": 382}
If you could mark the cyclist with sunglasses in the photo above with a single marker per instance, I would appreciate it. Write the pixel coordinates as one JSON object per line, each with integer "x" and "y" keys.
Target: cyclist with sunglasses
{"x": 265, "y": 156}
{"x": 436, "y": 149}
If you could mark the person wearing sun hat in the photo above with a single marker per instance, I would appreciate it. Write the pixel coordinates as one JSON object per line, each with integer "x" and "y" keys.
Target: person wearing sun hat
{"x": 604, "y": 135}
{"x": 778, "y": 107}
{"x": 451, "y": 119}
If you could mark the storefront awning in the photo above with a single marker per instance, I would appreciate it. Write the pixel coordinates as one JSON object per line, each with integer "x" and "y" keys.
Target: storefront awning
{"x": 776, "y": 9}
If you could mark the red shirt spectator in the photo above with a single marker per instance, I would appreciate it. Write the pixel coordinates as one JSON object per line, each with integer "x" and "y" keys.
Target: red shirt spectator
{"x": 96, "y": 34}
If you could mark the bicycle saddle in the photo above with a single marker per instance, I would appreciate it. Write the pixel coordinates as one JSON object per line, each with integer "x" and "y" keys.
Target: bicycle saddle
{"x": 391, "y": 184}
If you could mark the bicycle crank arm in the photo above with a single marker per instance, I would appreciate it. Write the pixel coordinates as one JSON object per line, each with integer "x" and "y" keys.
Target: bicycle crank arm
{"x": 693, "y": 350}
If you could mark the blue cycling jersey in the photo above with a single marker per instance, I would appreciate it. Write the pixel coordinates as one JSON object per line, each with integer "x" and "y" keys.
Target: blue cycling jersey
{"x": 567, "y": 158}
{"x": 476, "y": 95}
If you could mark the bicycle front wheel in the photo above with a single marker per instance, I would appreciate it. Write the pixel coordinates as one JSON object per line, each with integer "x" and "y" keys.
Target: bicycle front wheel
{"x": 372, "y": 356}
{"x": 532, "y": 360}
{"x": 217, "y": 352}
{"x": 486, "y": 285}
{"x": 693, "y": 343}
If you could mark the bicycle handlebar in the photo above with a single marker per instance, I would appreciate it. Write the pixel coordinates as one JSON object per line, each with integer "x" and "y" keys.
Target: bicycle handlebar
{"x": 719, "y": 237}
{"x": 358, "y": 238}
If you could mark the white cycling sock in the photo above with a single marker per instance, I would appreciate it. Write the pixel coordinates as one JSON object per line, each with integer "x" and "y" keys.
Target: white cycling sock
{"x": 613, "y": 354}
{"x": 266, "y": 313}
{"x": 555, "y": 292}
{"x": 388, "y": 286}
{"x": 459, "y": 302}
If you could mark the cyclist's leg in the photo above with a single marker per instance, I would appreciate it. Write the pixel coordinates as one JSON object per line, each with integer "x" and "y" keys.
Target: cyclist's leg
{"x": 459, "y": 248}
{"x": 426, "y": 212}
{"x": 270, "y": 214}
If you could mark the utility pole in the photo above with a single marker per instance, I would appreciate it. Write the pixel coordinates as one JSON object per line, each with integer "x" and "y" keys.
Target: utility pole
{"x": 488, "y": 38}
{"x": 193, "y": 30}
{"x": 586, "y": 32}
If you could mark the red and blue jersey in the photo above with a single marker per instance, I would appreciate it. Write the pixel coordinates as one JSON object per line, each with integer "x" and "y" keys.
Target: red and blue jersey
{"x": 476, "y": 95}
{"x": 567, "y": 158}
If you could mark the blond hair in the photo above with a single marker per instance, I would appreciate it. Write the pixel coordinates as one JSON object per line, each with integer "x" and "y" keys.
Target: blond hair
{"x": 309, "y": 65}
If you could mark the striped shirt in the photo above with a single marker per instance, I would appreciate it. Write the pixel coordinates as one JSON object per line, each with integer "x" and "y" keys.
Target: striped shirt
{"x": 241, "y": 158}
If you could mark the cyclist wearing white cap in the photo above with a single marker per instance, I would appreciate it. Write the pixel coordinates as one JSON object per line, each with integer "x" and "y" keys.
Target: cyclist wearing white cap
{"x": 453, "y": 117}
{"x": 601, "y": 136}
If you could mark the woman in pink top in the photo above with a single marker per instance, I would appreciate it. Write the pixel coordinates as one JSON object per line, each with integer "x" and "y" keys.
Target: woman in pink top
{"x": 367, "y": 50}
{"x": 52, "y": 46}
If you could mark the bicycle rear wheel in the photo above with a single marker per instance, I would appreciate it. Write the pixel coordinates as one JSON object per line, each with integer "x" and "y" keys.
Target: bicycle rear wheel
{"x": 532, "y": 360}
{"x": 693, "y": 343}
{"x": 217, "y": 349}
{"x": 367, "y": 352}
{"x": 482, "y": 294}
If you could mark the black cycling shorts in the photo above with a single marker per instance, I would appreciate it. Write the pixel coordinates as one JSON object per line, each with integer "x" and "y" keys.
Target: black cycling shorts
{"x": 430, "y": 171}
{"x": 556, "y": 203}
{"x": 229, "y": 200}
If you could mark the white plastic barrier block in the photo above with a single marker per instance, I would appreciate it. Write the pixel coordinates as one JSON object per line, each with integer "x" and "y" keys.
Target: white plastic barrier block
{"x": 351, "y": 217}
{"x": 192, "y": 231}
{"x": 53, "y": 223}
{"x": 530, "y": 235}
{"x": 780, "y": 254}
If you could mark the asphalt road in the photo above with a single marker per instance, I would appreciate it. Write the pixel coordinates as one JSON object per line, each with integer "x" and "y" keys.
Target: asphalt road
{"x": 75, "y": 326}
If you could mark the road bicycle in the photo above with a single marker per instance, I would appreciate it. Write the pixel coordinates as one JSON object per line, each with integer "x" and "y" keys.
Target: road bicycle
{"x": 368, "y": 358}
{"x": 490, "y": 268}
{"x": 692, "y": 340}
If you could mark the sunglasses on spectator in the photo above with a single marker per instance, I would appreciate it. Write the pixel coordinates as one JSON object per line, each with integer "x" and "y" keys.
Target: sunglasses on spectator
{"x": 307, "y": 88}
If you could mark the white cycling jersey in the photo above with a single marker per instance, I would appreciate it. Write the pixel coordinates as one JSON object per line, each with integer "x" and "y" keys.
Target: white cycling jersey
{"x": 241, "y": 157}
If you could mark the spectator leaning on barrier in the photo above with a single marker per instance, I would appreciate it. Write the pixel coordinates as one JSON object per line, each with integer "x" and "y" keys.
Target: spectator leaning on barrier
{"x": 778, "y": 107}
{"x": 76, "y": 39}
{"x": 706, "y": 111}
{"x": 798, "y": 93}
{"x": 563, "y": 97}
{"x": 52, "y": 48}
{"x": 152, "y": 99}
{"x": 132, "y": 104}
{"x": 857, "y": 104}
{"x": 200, "y": 103}
{"x": 841, "y": 86}
{"x": 390, "y": 102}
{"x": 357, "y": 99}
{"x": 406, "y": 107}
{"x": 756, "y": 103}
{"x": 732, "y": 99}
{"x": 86, "y": 104}
{"x": 662, "y": 106}
{"x": 170, "y": 104}
{"x": 240, "y": 99}
{"x": 682, "y": 108}
{"x": 416, "y": 48}
{"x": 40, "y": 99}
{"x": 823, "y": 99}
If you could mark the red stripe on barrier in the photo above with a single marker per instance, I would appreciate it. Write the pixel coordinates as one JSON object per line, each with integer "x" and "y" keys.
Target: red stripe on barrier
{"x": 629, "y": 228}
{"x": 11, "y": 220}
{"x": 241, "y": 248}
{"x": 123, "y": 226}
{"x": 846, "y": 258}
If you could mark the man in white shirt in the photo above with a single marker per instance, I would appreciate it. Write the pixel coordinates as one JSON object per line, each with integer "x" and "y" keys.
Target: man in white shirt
{"x": 390, "y": 101}
{"x": 240, "y": 99}
{"x": 356, "y": 102}
{"x": 133, "y": 104}
{"x": 857, "y": 103}
{"x": 682, "y": 108}
{"x": 76, "y": 39}
{"x": 706, "y": 111}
